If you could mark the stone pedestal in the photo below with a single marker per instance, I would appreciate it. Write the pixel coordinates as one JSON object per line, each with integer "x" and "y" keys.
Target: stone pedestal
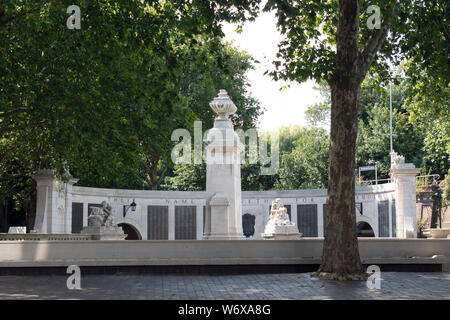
{"x": 404, "y": 176}
{"x": 223, "y": 175}
{"x": 280, "y": 232}
{"x": 104, "y": 233}
{"x": 101, "y": 224}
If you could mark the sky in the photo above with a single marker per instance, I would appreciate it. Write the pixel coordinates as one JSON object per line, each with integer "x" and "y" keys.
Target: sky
{"x": 260, "y": 38}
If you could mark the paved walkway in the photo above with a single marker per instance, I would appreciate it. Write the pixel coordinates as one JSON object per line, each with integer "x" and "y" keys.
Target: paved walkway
{"x": 394, "y": 285}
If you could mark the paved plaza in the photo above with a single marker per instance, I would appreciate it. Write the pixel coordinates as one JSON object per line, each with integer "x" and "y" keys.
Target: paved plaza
{"x": 394, "y": 285}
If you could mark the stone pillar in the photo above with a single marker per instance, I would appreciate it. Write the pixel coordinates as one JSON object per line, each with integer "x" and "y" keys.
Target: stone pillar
{"x": 45, "y": 200}
{"x": 223, "y": 175}
{"x": 53, "y": 203}
{"x": 404, "y": 177}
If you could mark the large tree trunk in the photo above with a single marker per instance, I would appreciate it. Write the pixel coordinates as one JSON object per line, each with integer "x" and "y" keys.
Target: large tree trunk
{"x": 154, "y": 177}
{"x": 340, "y": 259}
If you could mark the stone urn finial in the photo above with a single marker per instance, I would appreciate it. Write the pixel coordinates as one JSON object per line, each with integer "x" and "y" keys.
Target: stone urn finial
{"x": 222, "y": 105}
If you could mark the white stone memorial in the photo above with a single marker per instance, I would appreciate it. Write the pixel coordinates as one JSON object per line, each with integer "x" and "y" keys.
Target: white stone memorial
{"x": 101, "y": 224}
{"x": 279, "y": 226}
{"x": 223, "y": 218}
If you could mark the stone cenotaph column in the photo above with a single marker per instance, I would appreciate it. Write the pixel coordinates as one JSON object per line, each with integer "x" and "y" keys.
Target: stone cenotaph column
{"x": 223, "y": 216}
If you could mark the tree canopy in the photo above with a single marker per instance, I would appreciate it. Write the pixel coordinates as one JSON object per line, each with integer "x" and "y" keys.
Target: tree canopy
{"x": 101, "y": 102}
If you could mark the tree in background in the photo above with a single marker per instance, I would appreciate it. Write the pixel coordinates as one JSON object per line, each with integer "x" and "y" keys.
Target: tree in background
{"x": 373, "y": 143}
{"x": 318, "y": 114}
{"x": 103, "y": 100}
{"x": 422, "y": 133}
{"x": 210, "y": 65}
{"x": 428, "y": 106}
{"x": 437, "y": 148}
{"x": 303, "y": 164}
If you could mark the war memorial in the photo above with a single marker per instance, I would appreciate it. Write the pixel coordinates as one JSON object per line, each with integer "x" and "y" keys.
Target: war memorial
{"x": 221, "y": 227}
{"x": 105, "y": 195}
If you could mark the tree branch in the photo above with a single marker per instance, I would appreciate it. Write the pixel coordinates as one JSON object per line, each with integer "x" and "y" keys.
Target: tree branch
{"x": 19, "y": 16}
{"x": 374, "y": 44}
{"x": 7, "y": 177}
{"x": 7, "y": 114}
{"x": 162, "y": 174}
{"x": 4, "y": 128}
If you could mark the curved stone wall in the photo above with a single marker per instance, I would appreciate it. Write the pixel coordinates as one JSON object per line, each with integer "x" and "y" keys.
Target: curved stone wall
{"x": 179, "y": 215}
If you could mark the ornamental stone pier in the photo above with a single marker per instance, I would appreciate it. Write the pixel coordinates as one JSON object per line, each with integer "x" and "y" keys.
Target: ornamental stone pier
{"x": 223, "y": 216}
{"x": 54, "y": 198}
{"x": 404, "y": 177}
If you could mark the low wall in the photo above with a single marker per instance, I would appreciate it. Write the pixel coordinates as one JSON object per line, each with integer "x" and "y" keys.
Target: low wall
{"x": 213, "y": 252}
{"x": 40, "y": 236}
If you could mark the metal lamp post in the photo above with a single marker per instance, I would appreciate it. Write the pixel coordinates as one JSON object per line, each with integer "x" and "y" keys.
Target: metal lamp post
{"x": 390, "y": 121}
{"x": 127, "y": 207}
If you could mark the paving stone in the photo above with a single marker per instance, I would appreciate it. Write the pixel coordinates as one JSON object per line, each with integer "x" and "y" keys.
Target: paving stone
{"x": 394, "y": 285}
